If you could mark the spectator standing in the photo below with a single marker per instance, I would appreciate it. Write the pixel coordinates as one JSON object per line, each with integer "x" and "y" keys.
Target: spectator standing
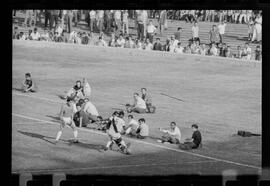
{"x": 250, "y": 28}
{"x": 230, "y": 16}
{"x": 92, "y": 15}
{"x": 69, "y": 20}
{"x": 235, "y": 15}
{"x": 151, "y": 29}
{"x": 242, "y": 15}
{"x": 63, "y": 18}
{"x": 162, "y": 20}
{"x": 177, "y": 34}
{"x": 100, "y": 20}
{"x": 47, "y": 17}
{"x": 117, "y": 19}
{"x": 107, "y": 20}
{"x": 257, "y": 28}
{"x": 213, "y": 35}
{"x": 54, "y": 18}
{"x": 195, "y": 31}
{"x": 158, "y": 45}
{"x": 75, "y": 15}
{"x": 145, "y": 20}
{"x": 28, "y": 16}
{"x": 140, "y": 25}
{"x": 125, "y": 22}
{"x": 221, "y": 30}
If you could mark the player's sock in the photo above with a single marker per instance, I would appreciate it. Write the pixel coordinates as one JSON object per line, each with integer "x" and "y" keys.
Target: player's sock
{"x": 108, "y": 144}
{"x": 75, "y": 132}
{"x": 59, "y": 133}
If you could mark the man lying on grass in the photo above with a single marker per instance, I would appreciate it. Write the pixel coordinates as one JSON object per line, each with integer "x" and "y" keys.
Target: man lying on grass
{"x": 194, "y": 142}
{"x": 28, "y": 84}
{"x": 173, "y": 135}
{"x": 139, "y": 105}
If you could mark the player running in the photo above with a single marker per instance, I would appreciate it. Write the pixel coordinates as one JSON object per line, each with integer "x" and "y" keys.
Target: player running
{"x": 66, "y": 116}
{"x": 115, "y": 136}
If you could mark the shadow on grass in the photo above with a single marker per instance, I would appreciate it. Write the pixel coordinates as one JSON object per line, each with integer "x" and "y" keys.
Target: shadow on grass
{"x": 17, "y": 89}
{"x": 99, "y": 148}
{"x": 39, "y": 136}
{"x": 55, "y": 118}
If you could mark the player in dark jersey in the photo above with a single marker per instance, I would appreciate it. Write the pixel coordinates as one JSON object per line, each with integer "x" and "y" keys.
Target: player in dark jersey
{"x": 194, "y": 142}
{"x": 115, "y": 136}
{"x": 29, "y": 85}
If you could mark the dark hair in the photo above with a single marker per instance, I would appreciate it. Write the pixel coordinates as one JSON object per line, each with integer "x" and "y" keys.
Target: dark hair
{"x": 142, "y": 120}
{"x": 80, "y": 102}
{"x": 130, "y": 116}
{"x": 78, "y": 81}
{"x": 115, "y": 113}
{"x": 144, "y": 89}
{"x": 136, "y": 93}
{"x": 100, "y": 37}
{"x": 35, "y": 29}
{"x": 158, "y": 38}
{"x": 173, "y": 123}
{"x": 179, "y": 28}
{"x": 69, "y": 99}
{"x": 194, "y": 126}
{"x": 121, "y": 113}
{"x": 99, "y": 117}
{"x": 28, "y": 74}
{"x": 179, "y": 43}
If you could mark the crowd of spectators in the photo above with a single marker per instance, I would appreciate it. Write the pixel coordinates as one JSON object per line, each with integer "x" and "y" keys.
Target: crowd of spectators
{"x": 116, "y": 22}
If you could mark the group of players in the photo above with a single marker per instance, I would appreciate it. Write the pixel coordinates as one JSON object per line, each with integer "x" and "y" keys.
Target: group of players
{"x": 78, "y": 107}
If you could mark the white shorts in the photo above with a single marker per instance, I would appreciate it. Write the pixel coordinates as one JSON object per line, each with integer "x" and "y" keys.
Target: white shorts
{"x": 67, "y": 121}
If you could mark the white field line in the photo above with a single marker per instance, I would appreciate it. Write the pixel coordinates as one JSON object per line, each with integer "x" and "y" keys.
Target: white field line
{"x": 115, "y": 166}
{"x": 152, "y": 144}
{"x": 26, "y": 123}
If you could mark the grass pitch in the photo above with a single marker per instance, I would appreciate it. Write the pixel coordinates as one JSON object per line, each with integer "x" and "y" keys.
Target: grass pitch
{"x": 221, "y": 95}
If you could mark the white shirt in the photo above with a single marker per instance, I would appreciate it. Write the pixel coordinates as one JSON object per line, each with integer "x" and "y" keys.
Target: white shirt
{"x": 59, "y": 30}
{"x": 140, "y": 103}
{"x": 221, "y": 28}
{"x": 148, "y": 46}
{"x": 151, "y": 29}
{"x": 258, "y": 20}
{"x": 179, "y": 50}
{"x": 92, "y": 14}
{"x": 213, "y": 51}
{"x": 173, "y": 45}
{"x": 175, "y": 133}
{"x": 145, "y": 16}
{"x": 144, "y": 129}
{"x": 117, "y": 14}
{"x": 133, "y": 124}
{"x": 35, "y": 36}
{"x": 195, "y": 31}
{"x": 100, "y": 14}
{"x": 121, "y": 42}
{"x": 125, "y": 17}
{"x": 90, "y": 108}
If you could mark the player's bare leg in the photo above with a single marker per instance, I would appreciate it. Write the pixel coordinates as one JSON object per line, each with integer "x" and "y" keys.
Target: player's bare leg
{"x": 75, "y": 132}
{"x": 59, "y": 133}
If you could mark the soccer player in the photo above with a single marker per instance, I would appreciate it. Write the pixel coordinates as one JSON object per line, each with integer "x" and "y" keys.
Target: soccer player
{"x": 194, "y": 142}
{"x": 173, "y": 135}
{"x": 115, "y": 136}
{"x": 29, "y": 85}
{"x": 66, "y": 116}
{"x": 120, "y": 122}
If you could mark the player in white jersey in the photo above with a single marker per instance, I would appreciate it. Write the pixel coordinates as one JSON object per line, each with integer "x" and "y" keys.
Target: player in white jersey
{"x": 66, "y": 116}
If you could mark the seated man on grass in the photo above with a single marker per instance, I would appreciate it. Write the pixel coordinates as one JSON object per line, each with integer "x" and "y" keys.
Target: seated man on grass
{"x": 148, "y": 101}
{"x": 132, "y": 126}
{"x": 139, "y": 105}
{"x": 28, "y": 84}
{"x": 75, "y": 91}
{"x": 142, "y": 131}
{"x": 90, "y": 109}
{"x": 194, "y": 142}
{"x": 81, "y": 119}
{"x": 173, "y": 135}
